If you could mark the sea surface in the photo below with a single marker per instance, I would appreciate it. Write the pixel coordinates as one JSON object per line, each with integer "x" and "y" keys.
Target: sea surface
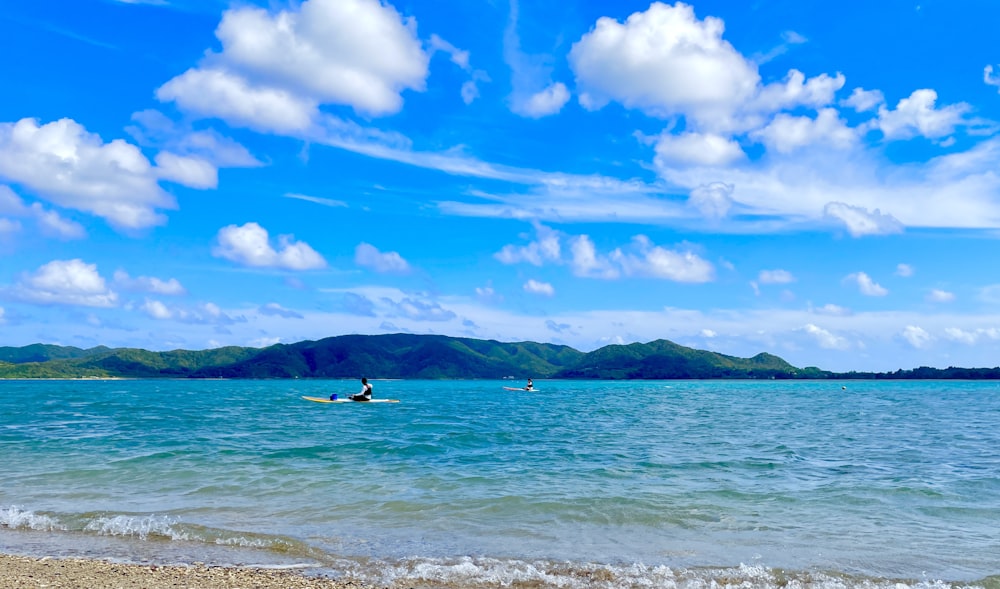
{"x": 681, "y": 484}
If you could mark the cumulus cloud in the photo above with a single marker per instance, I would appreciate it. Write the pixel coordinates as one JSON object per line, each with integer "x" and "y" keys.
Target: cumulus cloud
{"x": 989, "y": 78}
{"x": 65, "y": 282}
{"x": 545, "y": 248}
{"x": 971, "y": 337}
{"x": 644, "y": 258}
{"x": 712, "y": 200}
{"x": 149, "y": 284}
{"x": 641, "y": 258}
{"x": 814, "y": 92}
{"x": 369, "y": 256}
{"x": 862, "y": 100}
{"x": 705, "y": 149}
{"x": 904, "y": 270}
{"x": 63, "y": 163}
{"x": 189, "y": 171}
{"x": 662, "y": 61}
{"x": 940, "y": 296}
{"x": 919, "y": 115}
{"x": 487, "y": 294}
{"x": 860, "y": 222}
{"x": 50, "y": 223}
{"x": 276, "y": 68}
{"x": 775, "y": 277}
{"x": 866, "y": 285}
{"x": 540, "y": 288}
{"x": 534, "y": 94}
{"x": 152, "y": 128}
{"x": 543, "y": 103}
{"x": 249, "y": 245}
{"x": 787, "y": 133}
{"x": 917, "y": 337}
{"x": 201, "y": 314}
{"x": 586, "y": 262}
{"x": 825, "y": 339}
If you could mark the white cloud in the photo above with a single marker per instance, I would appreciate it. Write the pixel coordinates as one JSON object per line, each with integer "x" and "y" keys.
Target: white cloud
{"x": 193, "y": 172}
{"x": 918, "y": 115}
{"x": 488, "y": 294}
{"x": 775, "y": 277}
{"x": 154, "y": 129}
{"x": 971, "y": 337}
{"x": 860, "y": 222}
{"x": 419, "y": 310}
{"x": 533, "y": 94}
{"x": 644, "y": 258}
{"x": 866, "y": 285}
{"x": 275, "y": 69}
{"x": 200, "y": 314}
{"x": 149, "y": 284}
{"x": 815, "y": 92}
{"x": 586, "y": 262}
{"x": 327, "y": 202}
{"x": 369, "y": 256}
{"x": 156, "y": 309}
{"x": 72, "y": 168}
{"x": 704, "y": 149}
{"x": 8, "y": 227}
{"x": 545, "y": 248}
{"x": 249, "y": 245}
{"x": 989, "y": 78}
{"x": 69, "y": 282}
{"x": 940, "y": 296}
{"x": 54, "y": 225}
{"x": 50, "y": 223}
{"x": 712, "y": 200}
{"x": 917, "y": 337}
{"x": 545, "y": 102}
{"x": 662, "y": 61}
{"x": 219, "y": 93}
{"x": 863, "y": 100}
{"x": 276, "y": 310}
{"x": 540, "y": 288}
{"x": 904, "y": 270}
{"x": 469, "y": 91}
{"x": 826, "y": 339}
{"x": 831, "y": 309}
{"x": 787, "y": 133}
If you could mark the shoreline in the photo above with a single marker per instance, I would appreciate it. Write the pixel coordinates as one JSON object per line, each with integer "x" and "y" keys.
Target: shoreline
{"x": 75, "y": 572}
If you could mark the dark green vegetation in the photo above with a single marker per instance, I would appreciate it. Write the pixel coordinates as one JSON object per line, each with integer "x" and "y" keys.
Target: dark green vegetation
{"x": 424, "y": 356}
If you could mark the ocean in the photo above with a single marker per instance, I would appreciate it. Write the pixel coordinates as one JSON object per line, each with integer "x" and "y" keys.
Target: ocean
{"x": 682, "y": 484}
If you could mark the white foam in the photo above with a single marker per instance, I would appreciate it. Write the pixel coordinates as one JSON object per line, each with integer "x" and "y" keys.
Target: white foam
{"x": 137, "y": 527}
{"x": 469, "y": 573}
{"x": 16, "y": 518}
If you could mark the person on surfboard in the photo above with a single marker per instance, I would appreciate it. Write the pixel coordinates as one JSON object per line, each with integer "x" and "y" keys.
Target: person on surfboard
{"x": 366, "y": 391}
{"x": 529, "y": 386}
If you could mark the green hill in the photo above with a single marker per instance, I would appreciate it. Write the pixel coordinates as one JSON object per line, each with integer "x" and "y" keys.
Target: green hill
{"x": 663, "y": 359}
{"x": 396, "y": 356}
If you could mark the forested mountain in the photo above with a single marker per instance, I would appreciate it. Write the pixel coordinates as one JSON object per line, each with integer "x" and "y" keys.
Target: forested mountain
{"x": 425, "y": 356}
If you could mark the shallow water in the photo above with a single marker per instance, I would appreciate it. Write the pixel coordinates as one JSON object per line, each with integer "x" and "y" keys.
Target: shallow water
{"x": 617, "y": 484}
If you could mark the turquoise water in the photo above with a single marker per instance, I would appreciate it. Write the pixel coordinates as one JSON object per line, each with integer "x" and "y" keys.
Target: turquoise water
{"x": 582, "y": 484}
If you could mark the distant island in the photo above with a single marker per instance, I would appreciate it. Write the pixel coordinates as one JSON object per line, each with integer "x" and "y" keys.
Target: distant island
{"x": 428, "y": 357}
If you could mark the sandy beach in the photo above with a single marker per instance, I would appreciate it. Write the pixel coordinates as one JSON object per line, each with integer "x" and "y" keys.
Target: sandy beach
{"x": 77, "y": 573}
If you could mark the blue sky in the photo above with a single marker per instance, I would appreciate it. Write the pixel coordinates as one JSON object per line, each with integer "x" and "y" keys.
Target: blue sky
{"x": 818, "y": 181}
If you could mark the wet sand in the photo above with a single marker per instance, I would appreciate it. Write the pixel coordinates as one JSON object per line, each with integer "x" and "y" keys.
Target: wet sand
{"x": 77, "y": 573}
